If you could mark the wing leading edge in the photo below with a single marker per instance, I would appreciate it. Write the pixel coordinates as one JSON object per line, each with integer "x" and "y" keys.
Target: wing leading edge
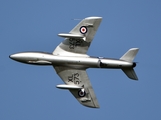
{"x": 78, "y": 78}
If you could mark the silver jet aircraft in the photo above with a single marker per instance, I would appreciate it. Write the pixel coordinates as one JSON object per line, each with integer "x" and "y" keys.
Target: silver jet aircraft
{"x": 70, "y": 61}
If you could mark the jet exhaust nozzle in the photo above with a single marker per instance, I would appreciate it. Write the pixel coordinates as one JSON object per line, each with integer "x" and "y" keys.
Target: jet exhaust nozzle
{"x": 134, "y": 64}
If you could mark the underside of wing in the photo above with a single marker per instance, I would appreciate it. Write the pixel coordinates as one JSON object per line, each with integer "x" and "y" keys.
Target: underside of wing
{"x": 77, "y": 82}
{"x": 79, "y": 38}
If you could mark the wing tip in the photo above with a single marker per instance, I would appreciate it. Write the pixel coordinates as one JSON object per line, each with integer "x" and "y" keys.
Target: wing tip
{"x": 94, "y": 17}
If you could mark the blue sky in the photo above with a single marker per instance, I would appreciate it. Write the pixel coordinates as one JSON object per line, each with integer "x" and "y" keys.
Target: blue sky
{"x": 28, "y": 92}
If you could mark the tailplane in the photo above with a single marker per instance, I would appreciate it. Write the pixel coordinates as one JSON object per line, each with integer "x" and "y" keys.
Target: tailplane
{"x": 129, "y": 57}
{"x": 130, "y": 73}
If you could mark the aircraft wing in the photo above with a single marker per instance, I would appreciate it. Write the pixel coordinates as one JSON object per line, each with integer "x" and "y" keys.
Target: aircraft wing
{"x": 77, "y": 82}
{"x": 78, "y": 40}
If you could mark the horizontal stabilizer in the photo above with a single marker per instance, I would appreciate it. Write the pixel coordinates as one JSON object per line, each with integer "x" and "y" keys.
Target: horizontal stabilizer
{"x": 130, "y": 55}
{"x": 130, "y": 73}
{"x": 64, "y": 86}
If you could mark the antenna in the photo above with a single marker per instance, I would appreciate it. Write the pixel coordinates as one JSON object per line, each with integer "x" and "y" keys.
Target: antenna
{"x": 77, "y": 19}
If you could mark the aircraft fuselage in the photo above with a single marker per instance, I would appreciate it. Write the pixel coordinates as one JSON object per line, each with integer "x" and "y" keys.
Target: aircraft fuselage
{"x": 70, "y": 61}
{"x": 40, "y": 58}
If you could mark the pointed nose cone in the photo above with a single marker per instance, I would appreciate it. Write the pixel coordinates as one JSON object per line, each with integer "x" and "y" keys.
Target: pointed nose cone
{"x": 11, "y": 56}
{"x": 15, "y": 56}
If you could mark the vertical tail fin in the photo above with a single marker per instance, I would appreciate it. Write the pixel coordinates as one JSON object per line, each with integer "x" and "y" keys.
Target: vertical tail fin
{"x": 129, "y": 57}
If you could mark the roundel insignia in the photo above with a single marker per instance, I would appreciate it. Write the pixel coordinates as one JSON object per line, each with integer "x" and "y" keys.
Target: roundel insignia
{"x": 81, "y": 93}
{"x": 83, "y": 29}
